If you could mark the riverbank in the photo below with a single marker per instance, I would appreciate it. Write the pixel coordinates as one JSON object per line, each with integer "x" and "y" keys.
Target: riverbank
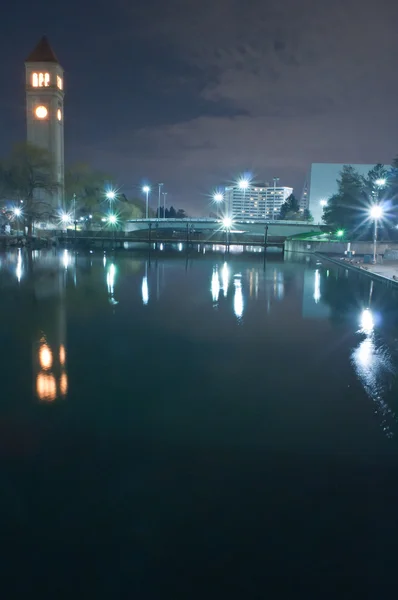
{"x": 386, "y": 272}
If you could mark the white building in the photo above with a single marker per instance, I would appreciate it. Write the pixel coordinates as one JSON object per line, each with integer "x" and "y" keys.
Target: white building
{"x": 323, "y": 184}
{"x": 257, "y": 201}
{"x": 45, "y": 109}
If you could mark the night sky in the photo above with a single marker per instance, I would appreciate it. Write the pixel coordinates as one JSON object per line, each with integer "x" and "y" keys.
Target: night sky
{"x": 193, "y": 93}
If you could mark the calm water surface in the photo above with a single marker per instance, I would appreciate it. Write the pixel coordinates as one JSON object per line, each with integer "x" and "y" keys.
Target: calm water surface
{"x": 191, "y": 426}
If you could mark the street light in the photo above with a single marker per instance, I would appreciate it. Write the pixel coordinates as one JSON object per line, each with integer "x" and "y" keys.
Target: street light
{"x": 227, "y": 224}
{"x": 243, "y": 184}
{"x": 110, "y": 195}
{"x": 376, "y": 213}
{"x": 146, "y": 189}
{"x": 218, "y": 198}
{"x": 112, "y": 220}
{"x": 381, "y": 182}
{"x": 164, "y": 194}
{"x": 160, "y": 189}
{"x": 17, "y": 213}
{"x": 323, "y": 203}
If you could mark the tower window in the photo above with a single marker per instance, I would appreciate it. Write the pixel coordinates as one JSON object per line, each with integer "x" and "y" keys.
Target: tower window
{"x": 59, "y": 115}
{"x": 60, "y": 83}
{"x": 40, "y": 79}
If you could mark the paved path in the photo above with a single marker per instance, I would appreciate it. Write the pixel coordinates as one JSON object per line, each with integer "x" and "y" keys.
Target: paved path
{"x": 388, "y": 269}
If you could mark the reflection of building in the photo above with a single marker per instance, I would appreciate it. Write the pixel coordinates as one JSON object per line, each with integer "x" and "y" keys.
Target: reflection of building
{"x": 49, "y": 352}
{"x": 323, "y": 184}
{"x": 258, "y": 201}
{"x": 45, "y": 108}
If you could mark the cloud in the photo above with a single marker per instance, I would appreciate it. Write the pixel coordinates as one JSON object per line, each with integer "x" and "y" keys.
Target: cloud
{"x": 271, "y": 86}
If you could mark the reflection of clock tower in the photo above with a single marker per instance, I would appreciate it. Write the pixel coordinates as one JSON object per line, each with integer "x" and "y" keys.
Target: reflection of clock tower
{"x": 45, "y": 108}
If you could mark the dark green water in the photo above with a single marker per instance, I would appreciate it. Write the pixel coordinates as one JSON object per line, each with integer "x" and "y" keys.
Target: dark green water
{"x": 194, "y": 427}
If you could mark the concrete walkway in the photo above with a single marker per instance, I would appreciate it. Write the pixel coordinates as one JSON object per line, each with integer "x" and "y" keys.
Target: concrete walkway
{"x": 387, "y": 272}
{"x": 389, "y": 269}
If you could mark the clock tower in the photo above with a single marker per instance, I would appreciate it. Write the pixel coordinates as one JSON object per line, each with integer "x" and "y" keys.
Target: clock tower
{"x": 45, "y": 109}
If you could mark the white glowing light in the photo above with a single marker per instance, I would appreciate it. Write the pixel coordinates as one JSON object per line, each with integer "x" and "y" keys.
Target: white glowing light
{"x": 380, "y": 182}
{"x": 65, "y": 218}
{"x": 18, "y": 270}
{"x": 317, "y": 287}
{"x": 66, "y": 259}
{"x": 146, "y": 189}
{"x": 227, "y": 222}
{"x": 225, "y": 279}
{"x": 17, "y": 211}
{"x": 215, "y": 285}
{"x": 376, "y": 212}
{"x": 367, "y": 322}
{"x": 112, "y": 219}
{"x": 238, "y": 299}
{"x": 145, "y": 291}
{"x": 323, "y": 203}
{"x": 180, "y": 246}
{"x": 111, "y": 195}
{"x": 243, "y": 184}
{"x": 110, "y": 279}
{"x": 218, "y": 197}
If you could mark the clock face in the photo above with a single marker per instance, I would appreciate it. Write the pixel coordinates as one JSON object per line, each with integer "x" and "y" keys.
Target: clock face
{"x": 41, "y": 112}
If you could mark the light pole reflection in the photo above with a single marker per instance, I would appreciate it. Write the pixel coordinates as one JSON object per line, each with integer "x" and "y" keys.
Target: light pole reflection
{"x": 317, "y": 286}
{"x": 110, "y": 281}
{"x": 374, "y": 368}
{"x": 18, "y": 270}
{"x": 238, "y": 298}
{"x": 145, "y": 287}
{"x": 215, "y": 285}
{"x": 225, "y": 279}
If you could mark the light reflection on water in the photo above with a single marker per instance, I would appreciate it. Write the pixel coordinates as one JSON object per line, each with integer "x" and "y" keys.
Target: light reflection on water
{"x": 374, "y": 367}
{"x": 236, "y": 286}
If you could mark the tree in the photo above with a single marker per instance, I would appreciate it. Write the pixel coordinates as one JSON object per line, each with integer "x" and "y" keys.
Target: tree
{"x": 344, "y": 210}
{"x": 172, "y": 213}
{"x": 290, "y": 208}
{"x": 181, "y": 214}
{"x": 27, "y": 174}
{"x": 85, "y": 191}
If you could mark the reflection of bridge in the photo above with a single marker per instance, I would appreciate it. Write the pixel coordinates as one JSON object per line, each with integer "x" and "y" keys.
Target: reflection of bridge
{"x": 253, "y": 233}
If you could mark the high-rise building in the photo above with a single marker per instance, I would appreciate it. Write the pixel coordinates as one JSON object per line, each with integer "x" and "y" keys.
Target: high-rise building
{"x": 256, "y": 201}
{"x": 45, "y": 109}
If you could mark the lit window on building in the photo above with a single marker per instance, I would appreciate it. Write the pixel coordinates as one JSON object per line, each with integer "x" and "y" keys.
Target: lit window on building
{"x": 40, "y": 79}
{"x": 60, "y": 83}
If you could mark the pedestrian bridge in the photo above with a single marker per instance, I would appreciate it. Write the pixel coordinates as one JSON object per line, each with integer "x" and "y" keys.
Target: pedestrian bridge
{"x": 203, "y": 227}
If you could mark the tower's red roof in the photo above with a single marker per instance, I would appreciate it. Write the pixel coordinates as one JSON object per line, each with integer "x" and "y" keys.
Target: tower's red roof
{"x": 42, "y": 52}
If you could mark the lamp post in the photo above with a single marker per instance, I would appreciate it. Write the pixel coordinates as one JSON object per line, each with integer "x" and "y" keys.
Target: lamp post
{"x": 17, "y": 213}
{"x": 218, "y": 198}
{"x": 146, "y": 189}
{"x": 227, "y": 223}
{"x": 164, "y": 204}
{"x": 112, "y": 220}
{"x": 160, "y": 189}
{"x": 376, "y": 212}
{"x": 276, "y": 179}
{"x": 243, "y": 185}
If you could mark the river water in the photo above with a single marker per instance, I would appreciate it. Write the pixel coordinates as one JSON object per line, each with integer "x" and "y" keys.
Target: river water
{"x": 196, "y": 425}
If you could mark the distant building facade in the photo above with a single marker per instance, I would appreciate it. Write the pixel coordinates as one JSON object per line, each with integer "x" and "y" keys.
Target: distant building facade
{"x": 323, "y": 184}
{"x": 45, "y": 109}
{"x": 257, "y": 201}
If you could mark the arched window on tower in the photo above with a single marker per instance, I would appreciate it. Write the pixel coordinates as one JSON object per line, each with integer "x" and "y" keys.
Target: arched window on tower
{"x": 40, "y": 79}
